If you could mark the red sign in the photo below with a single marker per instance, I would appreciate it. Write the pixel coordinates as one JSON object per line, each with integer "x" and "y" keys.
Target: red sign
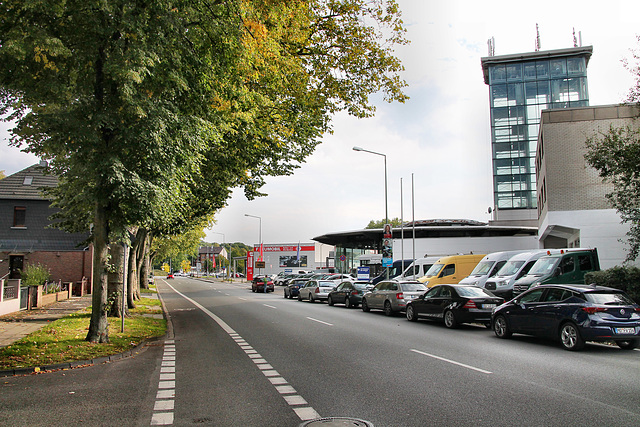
{"x": 249, "y": 266}
{"x": 292, "y": 248}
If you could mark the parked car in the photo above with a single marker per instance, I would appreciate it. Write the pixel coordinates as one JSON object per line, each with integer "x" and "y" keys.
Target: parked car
{"x": 339, "y": 278}
{"x": 488, "y": 267}
{"x": 259, "y": 282}
{"x": 293, "y": 288}
{"x": 315, "y": 290}
{"x": 169, "y": 275}
{"x": 392, "y": 296}
{"x": 348, "y": 293}
{"x": 455, "y": 304}
{"x": 418, "y": 268}
{"x": 518, "y": 266}
{"x": 571, "y": 314}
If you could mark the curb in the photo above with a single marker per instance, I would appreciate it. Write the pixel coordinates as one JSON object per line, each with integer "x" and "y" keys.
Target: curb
{"x": 91, "y": 362}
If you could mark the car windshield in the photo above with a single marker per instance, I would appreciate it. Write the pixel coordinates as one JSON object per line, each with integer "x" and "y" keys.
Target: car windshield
{"x": 608, "y": 298}
{"x": 409, "y": 287}
{"x": 482, "y": 268}
{"x": 544, "y": 265}
{"x": 326, "y": 284}
{"x": 510, "y": 268}
{"x": 434, "y": 270}
{"x": 472, "y": 291}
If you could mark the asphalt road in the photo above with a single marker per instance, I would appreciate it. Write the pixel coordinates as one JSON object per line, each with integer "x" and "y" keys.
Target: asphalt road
{"x": 246, "y": 359}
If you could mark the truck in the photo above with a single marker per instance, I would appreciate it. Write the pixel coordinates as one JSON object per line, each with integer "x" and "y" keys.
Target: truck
{"x": 568, "y": 266}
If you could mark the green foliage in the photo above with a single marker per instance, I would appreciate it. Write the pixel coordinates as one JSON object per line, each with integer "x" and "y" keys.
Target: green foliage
{"x": 626, "y": 278}
{"x": 615, "y": 155}
{"x": 395, "y": 223}
{"x": 35, "y": 275}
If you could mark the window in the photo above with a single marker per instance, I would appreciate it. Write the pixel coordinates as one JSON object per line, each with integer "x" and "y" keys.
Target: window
{"x": 533, "y": 296}
{"x": 567, "y": 265}
{"x": 557, "y": 294}
{"x": 585, "y": 263}
{"x": 19, "y": 216}
{"x": 448, "y": 270}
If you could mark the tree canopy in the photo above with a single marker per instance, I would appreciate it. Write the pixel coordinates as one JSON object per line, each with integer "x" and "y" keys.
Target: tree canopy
{"x": 150, "y": 113}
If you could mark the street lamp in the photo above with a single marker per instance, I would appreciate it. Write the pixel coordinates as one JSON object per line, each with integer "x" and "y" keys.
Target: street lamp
{"x": 386, "y": 204}
{"x": 229, "y": 254}
{"x": 254, "y": 216}
{"x": 386, "y": 209}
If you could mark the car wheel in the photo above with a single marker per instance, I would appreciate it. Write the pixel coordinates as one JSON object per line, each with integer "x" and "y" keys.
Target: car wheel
{"x": 330, "y": 300}
{"x": 299, "y": 297}
{"x": 365, "y": 306}
{"x": 450, "y": 319}
{"x": 411, "y": 314}
{"x": 290, "y": 296}
{"x": 285, "y": 294}
{"x": 500, "y": 327}
{"x": 628, "y": 344}
{"x": 388, "y": 311}
{"x": 347, "y": 302}
{"x": 311, "y": 298}
{"x": 570, "y": 337}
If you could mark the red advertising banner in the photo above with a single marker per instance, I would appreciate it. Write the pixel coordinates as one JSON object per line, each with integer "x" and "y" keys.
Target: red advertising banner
{"x": 249, "y": 266}
{"x": 292, "y": 248}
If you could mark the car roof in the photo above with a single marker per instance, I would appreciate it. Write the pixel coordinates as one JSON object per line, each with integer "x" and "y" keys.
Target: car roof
{"x": 580, "y": 288}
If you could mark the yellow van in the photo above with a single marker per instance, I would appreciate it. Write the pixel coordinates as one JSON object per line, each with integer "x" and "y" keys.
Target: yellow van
{"x": 450, "y": 269}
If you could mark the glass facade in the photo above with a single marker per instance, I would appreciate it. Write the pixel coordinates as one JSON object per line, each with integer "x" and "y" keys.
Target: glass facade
{"x": 519, "y": 91}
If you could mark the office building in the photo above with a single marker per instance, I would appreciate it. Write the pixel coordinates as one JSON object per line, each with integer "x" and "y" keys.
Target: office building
{"x": 520, "y": 87}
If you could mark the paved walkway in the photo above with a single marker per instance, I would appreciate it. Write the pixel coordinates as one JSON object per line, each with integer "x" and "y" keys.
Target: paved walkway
{"x": 14, "y": 326}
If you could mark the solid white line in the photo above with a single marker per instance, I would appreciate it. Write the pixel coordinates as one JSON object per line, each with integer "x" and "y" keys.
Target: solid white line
{"x": 320, "y": 321}
{"x": 270, "y": 306}
{"x": 452, "y": 361}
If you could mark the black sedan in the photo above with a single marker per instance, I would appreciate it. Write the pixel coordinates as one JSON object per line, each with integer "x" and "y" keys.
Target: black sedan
{"x": 454, "y": 304}
{"x": 293, "y": 288}
{"x": 348, "y": 293}
{"x": 571, "y": 314}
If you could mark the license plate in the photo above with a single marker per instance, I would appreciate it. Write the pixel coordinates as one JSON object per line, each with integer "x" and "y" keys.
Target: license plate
{"x": 487, "y": 306}
{"x": 626, "y": 331}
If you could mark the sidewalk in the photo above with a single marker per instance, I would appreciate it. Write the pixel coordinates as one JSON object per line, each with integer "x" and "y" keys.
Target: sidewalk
{"x": 14, "y": 326}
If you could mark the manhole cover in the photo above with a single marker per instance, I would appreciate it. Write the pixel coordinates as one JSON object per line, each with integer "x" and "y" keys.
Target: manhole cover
{"x": 336, "y": 422}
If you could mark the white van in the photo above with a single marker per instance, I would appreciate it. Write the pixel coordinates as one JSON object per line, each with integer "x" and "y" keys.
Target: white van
{"x": 488, "y": 267}
{"x": 418, "y": 268}
{"x": 518, "y": 266}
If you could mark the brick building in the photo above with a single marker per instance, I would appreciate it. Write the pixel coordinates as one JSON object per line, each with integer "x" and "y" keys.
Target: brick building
{"x": 572, "y": 208}
{"x": 25, "y": 235}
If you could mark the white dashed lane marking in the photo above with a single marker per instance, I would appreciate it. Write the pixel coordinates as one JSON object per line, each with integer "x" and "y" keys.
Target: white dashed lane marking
{"x": 288, "y": 393}
{"x": 165, "y": 398}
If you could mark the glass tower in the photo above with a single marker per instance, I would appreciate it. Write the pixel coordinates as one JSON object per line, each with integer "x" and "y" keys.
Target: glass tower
{"x": 520, "y": 87}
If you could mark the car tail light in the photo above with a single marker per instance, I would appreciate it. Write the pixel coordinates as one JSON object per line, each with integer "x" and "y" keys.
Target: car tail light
{"x": 399, "y": 295}
{"x": 470, "y": 304}
{"x": 593, "y": 310}
{"x": 317, "y": 291}
{"x": 354, "y": 292}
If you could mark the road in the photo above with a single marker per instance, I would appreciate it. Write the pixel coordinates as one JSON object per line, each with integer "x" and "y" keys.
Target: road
{"x": 237, "y": 358}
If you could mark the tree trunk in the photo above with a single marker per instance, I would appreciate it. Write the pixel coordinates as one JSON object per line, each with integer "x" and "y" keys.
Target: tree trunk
{"x": 132, "y": 278}
{"x": 116, "y": 280}
{"x": 99, "y": 324}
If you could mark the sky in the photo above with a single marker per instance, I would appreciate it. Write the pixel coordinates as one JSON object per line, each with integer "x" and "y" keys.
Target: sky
{"x": 439, "y": 139}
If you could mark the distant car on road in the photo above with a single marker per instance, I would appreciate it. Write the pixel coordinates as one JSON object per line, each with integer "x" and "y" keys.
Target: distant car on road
{"x": 454, "y": 304}
{"x": 259, "y": 282}
{"x": 315, "y": 290}
{"x": 348, "y": 293}
{"x": 571, "y": 314}
{"x": 169, "y": 276}
{"x": 392, "y": 296}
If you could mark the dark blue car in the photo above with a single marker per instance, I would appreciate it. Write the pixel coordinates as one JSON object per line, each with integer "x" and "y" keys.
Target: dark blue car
{"x": 571, "y": 314}
{"x": 293, "y": 288}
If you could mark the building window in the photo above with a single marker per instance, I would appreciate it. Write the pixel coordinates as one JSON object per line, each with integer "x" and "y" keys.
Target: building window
{"x": 19, "y": 216}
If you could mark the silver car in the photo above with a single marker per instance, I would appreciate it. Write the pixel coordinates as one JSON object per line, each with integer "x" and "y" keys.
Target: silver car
{"x": 315, "y": 290}
{"x": 392, "y": 296}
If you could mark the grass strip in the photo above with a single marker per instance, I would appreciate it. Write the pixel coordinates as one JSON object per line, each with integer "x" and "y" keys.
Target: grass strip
{"x": 63, "y": 340}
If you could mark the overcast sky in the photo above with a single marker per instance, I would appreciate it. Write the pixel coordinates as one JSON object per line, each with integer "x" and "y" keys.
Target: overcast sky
{"x": 441, "y": 135}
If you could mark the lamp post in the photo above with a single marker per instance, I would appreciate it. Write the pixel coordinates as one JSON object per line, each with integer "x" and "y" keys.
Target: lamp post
{"x": 229, "y": 254}
{"x": 260, "y": 242}
{"x": 386, "y": 204}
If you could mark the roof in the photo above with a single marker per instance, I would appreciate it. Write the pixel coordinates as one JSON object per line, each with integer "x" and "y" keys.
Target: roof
{"x": 370, "y": 238}
{"x": 210, "y": 250}
{"x": 28, "y": 183}
{"x": 585, "y": 51}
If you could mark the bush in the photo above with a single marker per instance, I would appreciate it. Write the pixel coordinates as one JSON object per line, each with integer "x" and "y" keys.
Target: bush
{"x": 35, "y": 275}
{"x": 624, "y": 278}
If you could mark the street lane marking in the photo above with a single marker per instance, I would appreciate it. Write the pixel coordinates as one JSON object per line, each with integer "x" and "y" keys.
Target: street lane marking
{"x": 243, "y": 299}
{"x": 320, "y": 321}
{"x": 305, "y": 413}
{"x": 164, "y": 404}
{"x": 270, "y": 306}
{"x": 451, "y": 361}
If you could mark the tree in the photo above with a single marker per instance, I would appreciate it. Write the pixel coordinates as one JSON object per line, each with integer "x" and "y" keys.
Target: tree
{"x": 395, "y": 222}
{"x": 151, "y": 113}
